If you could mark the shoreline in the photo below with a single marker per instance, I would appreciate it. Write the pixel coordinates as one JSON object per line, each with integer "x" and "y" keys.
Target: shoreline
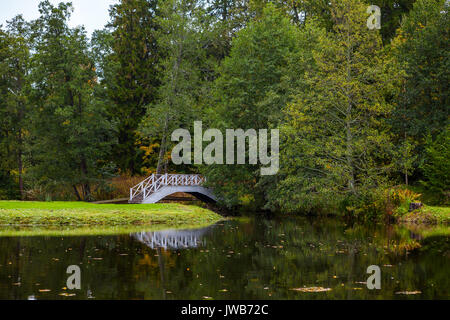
{"x": 79, "y": 214}
{"x": 427, "y": 216}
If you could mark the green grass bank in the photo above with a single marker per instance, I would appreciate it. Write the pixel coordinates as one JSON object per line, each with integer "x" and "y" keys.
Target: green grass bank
{"x": 429, "y": 215}
{"x": 22, "y": 213}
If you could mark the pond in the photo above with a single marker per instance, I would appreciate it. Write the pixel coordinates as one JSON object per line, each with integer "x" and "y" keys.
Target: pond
{"x": 279, "y": 258}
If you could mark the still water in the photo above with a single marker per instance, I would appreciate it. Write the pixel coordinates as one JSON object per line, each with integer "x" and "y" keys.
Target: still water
{"x": 288, "y": 258}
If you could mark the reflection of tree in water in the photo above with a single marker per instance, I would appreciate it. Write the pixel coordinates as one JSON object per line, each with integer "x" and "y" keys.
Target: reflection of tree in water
{"x": 172, "y": 239}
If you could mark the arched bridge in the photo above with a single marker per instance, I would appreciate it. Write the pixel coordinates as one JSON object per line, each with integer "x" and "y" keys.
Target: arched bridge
{"x": 158, "y": 186}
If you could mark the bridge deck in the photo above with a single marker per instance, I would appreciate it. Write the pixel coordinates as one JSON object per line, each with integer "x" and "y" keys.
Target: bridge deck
{"x": 158, "y": 186}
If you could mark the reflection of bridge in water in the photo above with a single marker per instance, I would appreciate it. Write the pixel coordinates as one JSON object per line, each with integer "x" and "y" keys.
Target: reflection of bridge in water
{"x": 172, "y": 239}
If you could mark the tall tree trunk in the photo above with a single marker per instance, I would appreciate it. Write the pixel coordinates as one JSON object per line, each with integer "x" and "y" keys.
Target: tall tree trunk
{"x": 162, "y": 150}
{"x": 349, "y": 157}
{"x": 406, "y": 169}
{"x": 76, "y": 192}
{"x": 349, "y": 137}
{"x": 86, "y": 188}
{"x": 20, "y": 151}
{"x": 20, "y": 166}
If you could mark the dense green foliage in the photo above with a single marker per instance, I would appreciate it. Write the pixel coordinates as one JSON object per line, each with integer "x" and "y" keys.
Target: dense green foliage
{"x": 132, "y": 76}
{"x": 436, "y": 168}
{"x": 182, "y": 35}
{"x": 14, "y": 102}
{"x": 337, "y": 140}
{"x": 421, "y": 48}
{"x": 69, "y": 125}
{"x": 250, "y": 93}
{"x": 359, "y": 110}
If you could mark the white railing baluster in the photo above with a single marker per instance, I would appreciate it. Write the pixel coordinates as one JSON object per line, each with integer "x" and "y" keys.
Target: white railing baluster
{"x": 156, "y": 181}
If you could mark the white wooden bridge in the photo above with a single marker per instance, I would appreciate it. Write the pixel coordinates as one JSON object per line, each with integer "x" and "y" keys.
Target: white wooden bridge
{"x": 158, "y": 186}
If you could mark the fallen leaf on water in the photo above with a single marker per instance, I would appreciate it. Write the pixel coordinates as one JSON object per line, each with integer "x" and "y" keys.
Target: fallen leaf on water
{"x": 223, "y": 290}
{"x": 44, "y": 290}
{"x": 311, "y": 289}
{"x": 408, "y": 292}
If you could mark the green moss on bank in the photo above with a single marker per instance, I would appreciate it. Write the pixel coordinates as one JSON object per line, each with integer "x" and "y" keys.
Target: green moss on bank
{"x": 21, "y": 213}
{"x": 428, "y": 215}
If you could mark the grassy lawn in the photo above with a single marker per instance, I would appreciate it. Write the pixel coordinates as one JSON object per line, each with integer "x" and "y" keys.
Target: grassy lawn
{"x": 21, "y": 213}
{"x": 428, "y": 215}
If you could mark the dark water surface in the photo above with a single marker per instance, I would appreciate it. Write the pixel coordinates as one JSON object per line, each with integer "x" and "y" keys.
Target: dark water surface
{"x": 235, "y": 259}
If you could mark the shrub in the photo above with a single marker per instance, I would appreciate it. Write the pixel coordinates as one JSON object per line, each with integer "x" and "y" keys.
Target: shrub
{"x": 400, "y": 198}
{"x": 369, "y": 205}
{"x": 117, "y": 187}
{"x": 381, "y": 202}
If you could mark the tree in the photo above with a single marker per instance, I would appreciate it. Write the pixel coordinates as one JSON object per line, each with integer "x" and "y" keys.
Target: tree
{"x": 133, "y": 82}
{"x": 421, "y": 48}
{"x": 392, "y": 12}
{"x": 15, "y": 87}
{"x": 302, "y": 11}
{"x": 7, "y": 184}
{"x": 230, "y": 16}
{"x": 182, "y": 36}
{"x": 337, "y": 142}
{"x": 70, "y": 135}
{"x": 405, "y": 158}
{"x": 249, "y": 94}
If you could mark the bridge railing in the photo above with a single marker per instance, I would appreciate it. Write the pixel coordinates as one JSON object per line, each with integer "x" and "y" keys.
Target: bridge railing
{"x": 156, "y": 181}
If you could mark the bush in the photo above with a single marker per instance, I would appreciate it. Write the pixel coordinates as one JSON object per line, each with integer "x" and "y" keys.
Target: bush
{"x": 380, "y": 203}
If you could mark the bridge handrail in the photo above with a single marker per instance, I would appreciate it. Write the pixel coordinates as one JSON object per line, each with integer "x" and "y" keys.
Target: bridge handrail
{"x": 156, "y": 181}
